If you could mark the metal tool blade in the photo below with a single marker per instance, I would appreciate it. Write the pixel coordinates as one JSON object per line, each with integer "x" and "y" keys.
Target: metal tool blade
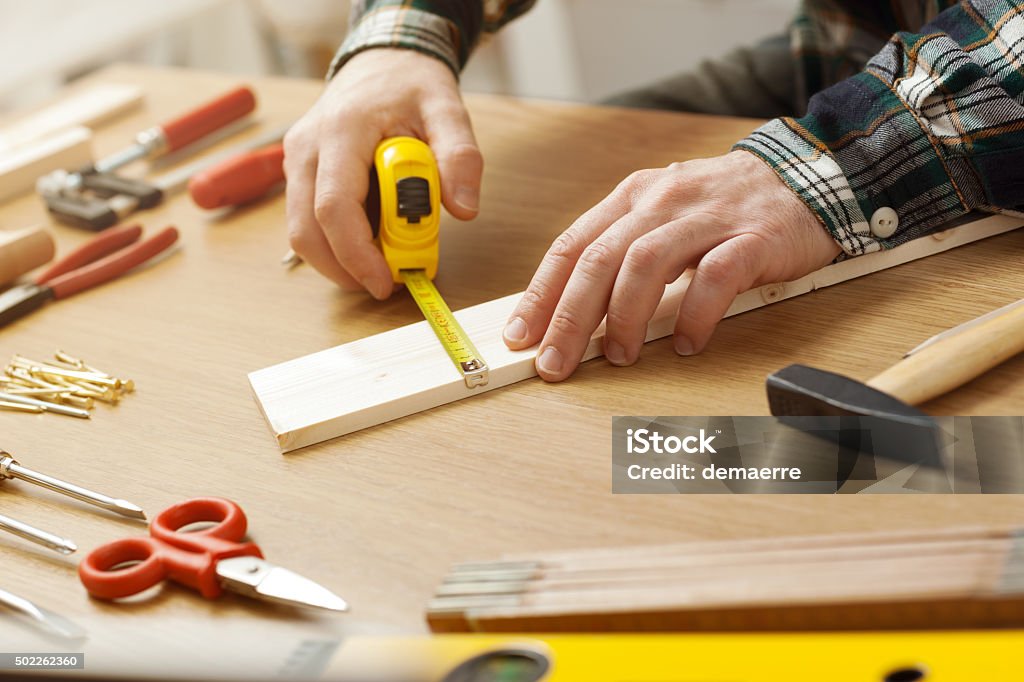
{"x": 10, "y": 468}
{"x": 258, "y": 578}
{"x": 47, "y": 620}
{"x": 37, "y": 535}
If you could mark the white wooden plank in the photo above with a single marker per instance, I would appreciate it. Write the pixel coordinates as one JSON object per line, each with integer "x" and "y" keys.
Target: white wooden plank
{"x": 20, "y": 168}
{"x": 88, "y": 108}
{"x": 405, "y": 370}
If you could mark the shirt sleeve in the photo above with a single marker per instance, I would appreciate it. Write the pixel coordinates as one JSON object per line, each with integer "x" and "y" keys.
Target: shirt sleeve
{"x": 446, "y": 29}
{"x": 932, "y": 128}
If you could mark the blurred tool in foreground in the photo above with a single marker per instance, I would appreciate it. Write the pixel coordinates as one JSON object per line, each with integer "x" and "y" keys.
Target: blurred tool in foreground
{"x": 48, "y": 621}
{"x": 209, "y": 560}
{"x": 24, "y": 250}
{"x": 240, "y": 179}
{"x": 101, "y": 259}
{"x": 94, "y": 197}
{"x": 10, "y": 468}
{"x": 49, "y": 386}
{"x": 948, "y": 578}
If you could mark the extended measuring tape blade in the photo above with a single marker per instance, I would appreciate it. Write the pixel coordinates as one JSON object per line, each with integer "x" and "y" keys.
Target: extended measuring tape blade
{"x": 449, "y": 332}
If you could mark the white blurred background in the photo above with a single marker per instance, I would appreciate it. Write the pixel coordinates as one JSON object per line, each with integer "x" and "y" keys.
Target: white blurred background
{"x": 580, "y": 50}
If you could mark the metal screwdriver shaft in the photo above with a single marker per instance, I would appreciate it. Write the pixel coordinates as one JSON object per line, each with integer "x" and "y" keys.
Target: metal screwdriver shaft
{"x": 40, "y": 537}
{"x": 9, "y": 468}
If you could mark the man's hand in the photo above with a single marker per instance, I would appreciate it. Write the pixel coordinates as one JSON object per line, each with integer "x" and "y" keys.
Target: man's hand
{"x": 378, "y": 94}
{"x": 731, "y": 217}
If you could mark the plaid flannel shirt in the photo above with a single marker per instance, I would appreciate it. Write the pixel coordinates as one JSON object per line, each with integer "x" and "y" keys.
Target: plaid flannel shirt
{"x": 913, "y": 105}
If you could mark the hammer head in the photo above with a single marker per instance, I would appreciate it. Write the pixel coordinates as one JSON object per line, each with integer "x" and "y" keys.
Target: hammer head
{"x": 898, "y": 431}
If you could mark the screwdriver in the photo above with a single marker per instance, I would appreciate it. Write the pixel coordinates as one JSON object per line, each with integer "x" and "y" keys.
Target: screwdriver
{"x": 10, "y": 468}
{"x": 40, "y": 537}
{"x": 160, "y": 139}
{"x": 239, "y": 179}
{"x": 48, "y": 621}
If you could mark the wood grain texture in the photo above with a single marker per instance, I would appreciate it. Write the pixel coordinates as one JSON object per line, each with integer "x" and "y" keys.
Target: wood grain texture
{"x": 380, "y": 515}
{"x": 391, "y": 375}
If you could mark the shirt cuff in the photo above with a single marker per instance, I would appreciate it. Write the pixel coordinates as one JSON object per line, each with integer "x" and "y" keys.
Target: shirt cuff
{"x": 401, "y": 27}
{"x": 858, "y": 156}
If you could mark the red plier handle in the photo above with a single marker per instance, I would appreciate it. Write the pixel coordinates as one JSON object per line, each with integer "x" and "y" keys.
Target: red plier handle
{"x": 103, "y": 258}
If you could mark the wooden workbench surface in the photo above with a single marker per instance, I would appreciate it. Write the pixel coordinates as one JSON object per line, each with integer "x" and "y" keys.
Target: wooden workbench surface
{"x": 378, "y": 516}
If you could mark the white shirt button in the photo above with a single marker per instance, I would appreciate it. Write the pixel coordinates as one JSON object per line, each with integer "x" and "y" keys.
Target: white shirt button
{"x": 884, "y": 222}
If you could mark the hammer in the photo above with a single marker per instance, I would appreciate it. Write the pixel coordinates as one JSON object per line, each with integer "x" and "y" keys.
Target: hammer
{"x": 934, "y": 368}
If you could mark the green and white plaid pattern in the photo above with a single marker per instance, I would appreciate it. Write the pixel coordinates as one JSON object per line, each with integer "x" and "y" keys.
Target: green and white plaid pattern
{"x": 911, "y": 104}
{"x": 933, "y": 128}
{"x": 446, "y": 29}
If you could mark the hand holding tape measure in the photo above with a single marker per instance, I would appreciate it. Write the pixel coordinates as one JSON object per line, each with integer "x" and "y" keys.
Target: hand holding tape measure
{"x": 403, "y": 207}
{"x": 404, "y": 212}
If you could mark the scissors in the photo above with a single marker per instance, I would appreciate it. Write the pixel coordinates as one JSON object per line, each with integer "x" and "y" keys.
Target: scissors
{"x": 209, "y": 560}
{"x": 106, "y": 256}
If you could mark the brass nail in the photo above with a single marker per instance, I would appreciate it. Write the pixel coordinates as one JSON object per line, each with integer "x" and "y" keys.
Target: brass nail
{"x": 69, "y": 359}
{"x": 77, "y": 375}
{"x": 78, "y": 401}
{"x": 18, "y": 407}
{"x": 35, "y": 391}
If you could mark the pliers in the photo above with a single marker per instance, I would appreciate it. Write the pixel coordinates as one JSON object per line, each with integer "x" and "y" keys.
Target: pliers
{"x": 99, "y": 260}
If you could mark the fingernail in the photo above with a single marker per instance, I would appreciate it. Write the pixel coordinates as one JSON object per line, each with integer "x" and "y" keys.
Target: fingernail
{"x": 467, "y": 198}
{"x": 615, "y": 353}
{"x": 550, "y": 361}
{"x": 515, "y": 330}
{"x": 683, "y": 346}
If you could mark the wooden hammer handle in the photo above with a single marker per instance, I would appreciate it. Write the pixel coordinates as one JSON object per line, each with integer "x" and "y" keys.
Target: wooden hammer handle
{"x": 22, "y": 251}
{"x": 950, "y": 362}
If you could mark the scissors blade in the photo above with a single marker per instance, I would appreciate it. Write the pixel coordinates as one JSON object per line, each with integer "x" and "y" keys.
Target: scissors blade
{"x": 255, "y": 577}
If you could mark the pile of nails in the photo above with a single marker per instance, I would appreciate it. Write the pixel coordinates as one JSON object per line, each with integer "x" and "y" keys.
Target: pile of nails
{"x": 65, "y": 386}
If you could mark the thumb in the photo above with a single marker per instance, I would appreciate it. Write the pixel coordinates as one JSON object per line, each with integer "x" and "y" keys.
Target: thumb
{"x": 459, "y": 161}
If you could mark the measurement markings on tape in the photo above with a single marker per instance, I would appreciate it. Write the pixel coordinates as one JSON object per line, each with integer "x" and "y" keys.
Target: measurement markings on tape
{"x": 449, "y": 332}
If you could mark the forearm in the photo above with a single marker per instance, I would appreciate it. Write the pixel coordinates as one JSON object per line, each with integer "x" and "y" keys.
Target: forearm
{"x": 445, "y": 29}
{"x": 932, "y": 128}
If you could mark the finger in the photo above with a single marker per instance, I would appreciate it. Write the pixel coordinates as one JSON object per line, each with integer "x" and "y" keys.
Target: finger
{"x": 584, "y": 300}
{"x": 530, "y": 319}
{"x": 304, "y": 233}
{"x": 724, "y": 272}
{"x": 342, "y": 181}
{"x": 652, "y": 261}
{"x": 450, "y": 136}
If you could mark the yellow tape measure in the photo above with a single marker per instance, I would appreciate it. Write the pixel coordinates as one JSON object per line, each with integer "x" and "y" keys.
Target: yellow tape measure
{"x": 410, "y": 200}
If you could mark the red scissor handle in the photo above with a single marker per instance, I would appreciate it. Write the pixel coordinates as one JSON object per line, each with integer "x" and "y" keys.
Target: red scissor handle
{"x": 187, "y": 558}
